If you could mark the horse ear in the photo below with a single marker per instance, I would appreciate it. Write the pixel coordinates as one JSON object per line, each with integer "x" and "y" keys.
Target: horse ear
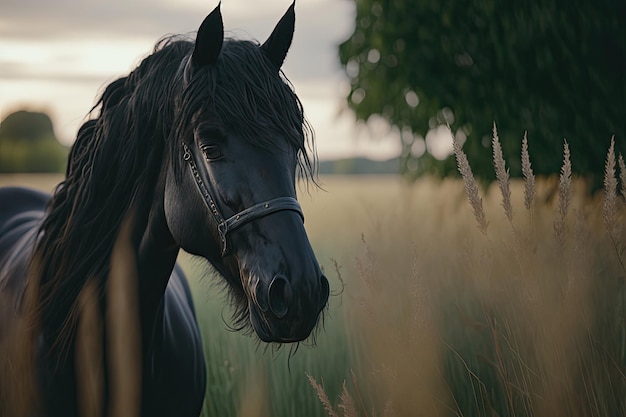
{"x": 277, "y": 45}
{"x": 209, "y": 40}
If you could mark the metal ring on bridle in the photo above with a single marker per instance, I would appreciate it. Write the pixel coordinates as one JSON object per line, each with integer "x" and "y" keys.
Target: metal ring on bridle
{"x": 265, "y": 208}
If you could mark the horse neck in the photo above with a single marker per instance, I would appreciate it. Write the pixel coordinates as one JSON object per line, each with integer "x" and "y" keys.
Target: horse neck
{"x": 156, "y": 258}
{"x": 136, "y": 280}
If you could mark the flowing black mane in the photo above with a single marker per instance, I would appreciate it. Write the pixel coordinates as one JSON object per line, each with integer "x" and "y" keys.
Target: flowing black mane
{"x": 118, "y": 156}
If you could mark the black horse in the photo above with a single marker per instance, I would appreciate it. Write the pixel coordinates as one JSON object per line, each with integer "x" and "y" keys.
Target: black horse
{"x": 198, "y": 148}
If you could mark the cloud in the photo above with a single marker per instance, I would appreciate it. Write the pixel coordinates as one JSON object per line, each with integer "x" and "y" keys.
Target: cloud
{"x": 33, "y": 19}
{"x": 16, "y": 71}
{"x": 73, "y": 48}
{"x": 320, "y": 24}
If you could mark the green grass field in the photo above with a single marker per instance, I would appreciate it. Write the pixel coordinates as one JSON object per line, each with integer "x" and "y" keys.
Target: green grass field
{"x": 432, "y": 317}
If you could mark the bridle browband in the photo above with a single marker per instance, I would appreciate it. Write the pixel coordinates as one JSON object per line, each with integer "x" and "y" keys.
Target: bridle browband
{"x": 204, "y": 184}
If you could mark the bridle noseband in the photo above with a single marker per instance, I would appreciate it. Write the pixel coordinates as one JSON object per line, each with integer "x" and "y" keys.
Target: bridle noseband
{"x": 204, "y": 184}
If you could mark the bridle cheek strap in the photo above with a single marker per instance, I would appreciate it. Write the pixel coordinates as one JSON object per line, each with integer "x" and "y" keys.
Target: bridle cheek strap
{"x": 203, "y": 183}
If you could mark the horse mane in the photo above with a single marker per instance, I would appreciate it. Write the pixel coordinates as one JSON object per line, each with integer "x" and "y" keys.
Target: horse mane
{"x": 118, "y": 156}
{"x": 113, "y": 165}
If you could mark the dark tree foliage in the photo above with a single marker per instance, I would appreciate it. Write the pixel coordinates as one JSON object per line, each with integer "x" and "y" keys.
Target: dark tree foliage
{"x": 556, "y": 69}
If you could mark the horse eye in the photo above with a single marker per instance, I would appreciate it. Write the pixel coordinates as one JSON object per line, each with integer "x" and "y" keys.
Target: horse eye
{"x": 211, "y": 152}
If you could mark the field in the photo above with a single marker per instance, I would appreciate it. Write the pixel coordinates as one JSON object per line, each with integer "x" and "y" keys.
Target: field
{"x": 432, "y": 315}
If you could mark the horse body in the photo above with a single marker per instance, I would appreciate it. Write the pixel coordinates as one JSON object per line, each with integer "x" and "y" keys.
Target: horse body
{"x": 173, "y": 370}
{"x": 21, "y": 212}
{"x": 197, "y": 149}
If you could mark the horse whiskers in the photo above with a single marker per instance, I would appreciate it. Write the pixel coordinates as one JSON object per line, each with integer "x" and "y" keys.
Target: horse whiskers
{"x": 89, "y": 365}
{"x": 123, "y": 326}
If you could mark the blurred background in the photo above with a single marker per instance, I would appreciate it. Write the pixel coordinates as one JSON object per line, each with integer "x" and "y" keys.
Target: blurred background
{"x": 428, "y": 312}
{"x": 56, "y": 57}
{"x": 379, "y": 80}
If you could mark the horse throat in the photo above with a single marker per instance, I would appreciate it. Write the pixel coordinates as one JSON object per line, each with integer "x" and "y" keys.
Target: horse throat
{"x": 156, "y": 258}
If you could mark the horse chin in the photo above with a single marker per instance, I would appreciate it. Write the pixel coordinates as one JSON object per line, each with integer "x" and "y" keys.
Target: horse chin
{"x": 261, "y": 329}
{"x": 279, "y": 332}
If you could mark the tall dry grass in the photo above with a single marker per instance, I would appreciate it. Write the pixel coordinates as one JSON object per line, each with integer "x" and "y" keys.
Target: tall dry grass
{"x": 444, "y": 312}
{"x": 20, "y": 394}
{"x": 521, "y": 314}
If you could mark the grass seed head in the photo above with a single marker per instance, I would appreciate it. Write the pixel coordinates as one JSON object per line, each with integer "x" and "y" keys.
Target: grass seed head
{"x": 565, "y": 195}
{"x": 502, "y": 174}
{"x": 471, "y": 187}
{"x": 609, "y": 209}
{"x": 529, "y": 176}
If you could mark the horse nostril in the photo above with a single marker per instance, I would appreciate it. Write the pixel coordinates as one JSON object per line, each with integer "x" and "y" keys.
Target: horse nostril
{"x": 280, "y": 295}
{"x": 324, "y": 291}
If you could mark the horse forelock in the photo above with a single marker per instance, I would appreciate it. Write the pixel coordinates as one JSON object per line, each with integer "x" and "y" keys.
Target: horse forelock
{"x": 260, "y": 104}
{"x": 246, "y": 94}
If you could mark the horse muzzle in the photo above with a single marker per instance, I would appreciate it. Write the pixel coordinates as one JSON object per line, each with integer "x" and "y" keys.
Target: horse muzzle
{"x": 284, "y": 311}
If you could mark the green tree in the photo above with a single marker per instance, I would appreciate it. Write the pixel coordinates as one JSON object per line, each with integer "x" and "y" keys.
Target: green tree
{"x": 28, "y": 144}
{"x": 556, "y": 69}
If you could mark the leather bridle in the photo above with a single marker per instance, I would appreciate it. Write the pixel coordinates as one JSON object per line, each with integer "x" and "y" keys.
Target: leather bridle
{"x": 212, "y": 201}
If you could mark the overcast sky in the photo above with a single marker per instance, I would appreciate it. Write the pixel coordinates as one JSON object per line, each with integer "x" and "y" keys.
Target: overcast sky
{"x": 58, "y": 55}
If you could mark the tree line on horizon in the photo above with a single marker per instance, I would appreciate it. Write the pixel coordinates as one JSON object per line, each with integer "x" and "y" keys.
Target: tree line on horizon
{"x": 28, "y": 144}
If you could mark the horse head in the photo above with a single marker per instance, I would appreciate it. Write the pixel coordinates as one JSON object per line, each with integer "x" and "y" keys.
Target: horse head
{"x": 230, "y": 195}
